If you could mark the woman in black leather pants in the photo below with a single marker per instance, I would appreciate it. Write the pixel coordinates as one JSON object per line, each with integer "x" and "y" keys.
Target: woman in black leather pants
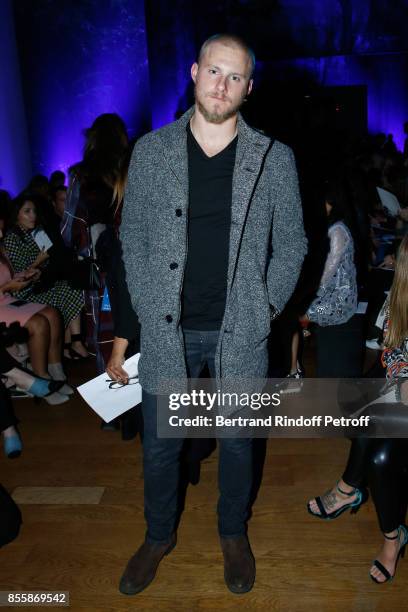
{"x": 380, "y": 463}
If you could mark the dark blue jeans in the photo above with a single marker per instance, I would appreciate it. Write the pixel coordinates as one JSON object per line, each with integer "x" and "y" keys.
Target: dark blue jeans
{"x": 161, "y": 460}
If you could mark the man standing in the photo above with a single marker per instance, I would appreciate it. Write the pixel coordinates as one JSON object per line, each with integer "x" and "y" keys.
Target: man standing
{"x": 213, "y": 243}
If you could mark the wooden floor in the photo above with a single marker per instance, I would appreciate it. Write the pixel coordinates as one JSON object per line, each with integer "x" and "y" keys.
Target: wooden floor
{"x": 302, "y": 563}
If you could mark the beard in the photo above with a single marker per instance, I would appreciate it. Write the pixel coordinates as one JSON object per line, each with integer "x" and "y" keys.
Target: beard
{"x": 214, "y": 116}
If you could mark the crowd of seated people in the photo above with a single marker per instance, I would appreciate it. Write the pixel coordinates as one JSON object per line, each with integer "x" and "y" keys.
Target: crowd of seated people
{"x": 48, "y": 282}
{"x": 36, "y": 295}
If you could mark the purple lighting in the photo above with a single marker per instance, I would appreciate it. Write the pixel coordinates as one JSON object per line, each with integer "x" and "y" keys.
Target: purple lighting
{"x": 15, "y": 166}
{"x": 133, "y": 57}
{"x": 101, "y": 67}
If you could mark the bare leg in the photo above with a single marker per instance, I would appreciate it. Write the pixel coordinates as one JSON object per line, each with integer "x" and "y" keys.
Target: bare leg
{"x": 388, "y": 554}
{"x": 75, "y": 329}
{"x": 38, "y": 344}
{"x": 295, "y": 350}
{"x": 55, "y": 325}
{"x": 75, "y": 326}
{"x": 10, "y": 432}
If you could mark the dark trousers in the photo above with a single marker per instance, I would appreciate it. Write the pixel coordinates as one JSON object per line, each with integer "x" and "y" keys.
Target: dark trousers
{"x": 379, "y": 463}
{"x": 7, "y": 362}
{"x": 340, "y": 349}
{"x": 161, "y": 460}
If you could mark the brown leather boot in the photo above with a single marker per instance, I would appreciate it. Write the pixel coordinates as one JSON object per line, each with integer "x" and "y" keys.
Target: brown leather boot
{"x": 142, "y": 567}
{"x": 239, "y": 564}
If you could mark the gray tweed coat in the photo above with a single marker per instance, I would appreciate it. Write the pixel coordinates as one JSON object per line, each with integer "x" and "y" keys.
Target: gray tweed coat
{"x": 266, "y": 250}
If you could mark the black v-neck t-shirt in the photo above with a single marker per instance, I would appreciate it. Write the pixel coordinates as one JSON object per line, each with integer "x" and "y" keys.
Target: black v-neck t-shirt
{"x": 209, "y": 223}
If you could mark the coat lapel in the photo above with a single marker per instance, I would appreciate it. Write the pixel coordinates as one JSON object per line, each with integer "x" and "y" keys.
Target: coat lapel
{"x": 174, "y": 137}
{"x": 252, "y": 147}
{"x": 251, "y": 150}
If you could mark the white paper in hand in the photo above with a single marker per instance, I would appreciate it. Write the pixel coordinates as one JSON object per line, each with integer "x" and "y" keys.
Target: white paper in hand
{"x": 42, "y": 239}
{"x": 109, "y": 399}
{"x": 389, "y": 201}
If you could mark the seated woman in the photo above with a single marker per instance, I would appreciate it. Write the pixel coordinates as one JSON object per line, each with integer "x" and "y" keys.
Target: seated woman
{"x": 25, "y": 255}
{"x": 380, "y": 462}
{"x": 42, "y": 322}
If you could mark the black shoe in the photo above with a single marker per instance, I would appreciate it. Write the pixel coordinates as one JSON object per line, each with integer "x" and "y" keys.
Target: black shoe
{"x": 402, "y": 543}
{"x": 130, "y": 424}
{"x": 361, "y": 497}
{"x": 142, "y": 567}
{"x": 239, "y": 564}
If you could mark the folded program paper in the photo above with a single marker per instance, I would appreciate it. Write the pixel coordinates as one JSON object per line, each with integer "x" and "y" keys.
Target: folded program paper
{"x": 110, "y": 399}
{"x": 389, "y": 201}
{"x": 42, "y": 239}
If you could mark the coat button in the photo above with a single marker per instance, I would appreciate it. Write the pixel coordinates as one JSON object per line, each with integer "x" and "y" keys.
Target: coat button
{"x": 169, "y": 318}
{"x": 173, "y": 265}
{"x": 179, "y": 212}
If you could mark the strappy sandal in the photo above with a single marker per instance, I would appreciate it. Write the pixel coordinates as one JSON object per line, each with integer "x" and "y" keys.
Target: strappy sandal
{"x": 354, "y": 506}
{"x": 69, "y": 353}
{"x": 73, "y": 354}
{"x": 388, "y": 577}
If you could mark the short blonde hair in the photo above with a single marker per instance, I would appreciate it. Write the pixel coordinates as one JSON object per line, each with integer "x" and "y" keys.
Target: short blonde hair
{"x": 229, "y": 40}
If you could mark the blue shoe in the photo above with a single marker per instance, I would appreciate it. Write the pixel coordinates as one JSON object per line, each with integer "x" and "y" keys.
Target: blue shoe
{"x": 12, "y": 446}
